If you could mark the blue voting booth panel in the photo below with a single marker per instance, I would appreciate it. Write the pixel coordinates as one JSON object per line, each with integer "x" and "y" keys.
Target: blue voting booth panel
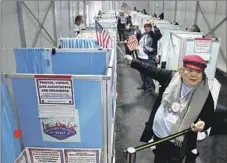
{"x": 80, "y": 63}
{"x": 32, "y": 61}
{"x": 68, "y": 43}
{"x": 10, "y": 146}
{"x": 87, "y": 96}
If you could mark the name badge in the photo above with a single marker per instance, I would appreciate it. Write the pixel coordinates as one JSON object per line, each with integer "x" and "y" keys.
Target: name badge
{"x": 172, "y": 118}
{"x": 175, "y": 107}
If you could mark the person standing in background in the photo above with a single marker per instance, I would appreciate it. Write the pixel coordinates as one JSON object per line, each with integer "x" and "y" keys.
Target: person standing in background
{"x": 144, "y": 12}
{"x": 79, "y": 20}
{"x": 161, "y": 16}
{"x": 148, "y": 45}
{"x": 121, "y": 23}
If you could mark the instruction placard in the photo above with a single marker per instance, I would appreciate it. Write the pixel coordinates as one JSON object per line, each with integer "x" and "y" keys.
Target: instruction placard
{"x": 38, "y": 155}
{"x": 82, "y": 155}
{"x": 55, "y": 96}
{"x": 202, "y": 45}
{"x": 55, "y": 91}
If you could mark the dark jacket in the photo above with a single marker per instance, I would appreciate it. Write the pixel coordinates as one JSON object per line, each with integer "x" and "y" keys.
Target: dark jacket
{"x": 151, "y": 46}
{"x": 164, "y": 77}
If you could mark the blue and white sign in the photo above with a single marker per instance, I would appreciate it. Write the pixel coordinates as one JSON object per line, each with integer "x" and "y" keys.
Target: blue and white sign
{"x": 61, "y": 129}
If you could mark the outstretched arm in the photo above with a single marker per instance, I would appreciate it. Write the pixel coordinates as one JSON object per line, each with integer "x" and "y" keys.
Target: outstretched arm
{"x": 161, "y": 75}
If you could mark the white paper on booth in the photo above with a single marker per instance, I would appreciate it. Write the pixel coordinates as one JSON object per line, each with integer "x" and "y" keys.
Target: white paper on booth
{"x": 46, "y": 155}
{"x": 48, "y": 111}
{"x": 22, "y": 158}
{"x": 55, "y": 97}
{"x": 61, "y": 129}
{"x": 82, "y": 155}
{"x": 202, "y": 47}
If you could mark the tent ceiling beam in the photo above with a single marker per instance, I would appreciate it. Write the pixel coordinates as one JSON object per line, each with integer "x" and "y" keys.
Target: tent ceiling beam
{"x": 40, "y": 24}
{"x": 54, "y": 23}
{"x": 21, "y": 24}
{"x": 212, "y": 33}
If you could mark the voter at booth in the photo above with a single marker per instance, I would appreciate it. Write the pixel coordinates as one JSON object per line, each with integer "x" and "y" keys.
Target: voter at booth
{"x": 79, "y": 20}
{"x": 121, "y": 23}
{"x": 184, "y": 102}
{"x": 147, "y": 51}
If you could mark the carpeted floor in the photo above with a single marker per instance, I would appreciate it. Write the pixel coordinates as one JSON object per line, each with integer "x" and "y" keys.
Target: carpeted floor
{"x": 133, "y": 109}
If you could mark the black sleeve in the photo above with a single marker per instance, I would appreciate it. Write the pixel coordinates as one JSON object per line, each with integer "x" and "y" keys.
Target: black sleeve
{"x": 161, "y": 75}
{"x": 207, "y": 114}
{"x": 157, "y": 33}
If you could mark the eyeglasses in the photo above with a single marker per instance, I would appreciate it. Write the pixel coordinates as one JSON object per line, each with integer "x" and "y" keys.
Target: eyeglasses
{"x": 196, "y": 72}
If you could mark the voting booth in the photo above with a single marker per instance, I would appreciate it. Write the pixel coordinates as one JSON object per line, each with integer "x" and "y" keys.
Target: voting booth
{"x": 87, "y": 40}
{"x": 176, "y": 47}
{"x": 67, "y": 115}
{"x": 62, "y": 103}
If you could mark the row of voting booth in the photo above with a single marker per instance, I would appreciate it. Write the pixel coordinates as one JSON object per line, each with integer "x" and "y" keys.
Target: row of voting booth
{"x": 60, "y": 104}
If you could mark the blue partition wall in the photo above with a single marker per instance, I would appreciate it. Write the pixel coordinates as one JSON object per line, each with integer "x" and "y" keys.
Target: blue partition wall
{"x": 88, "y": 102}
{"x": 10, "y": 146}
{"x": 67, "y": 43}
{"x": 32, "y": 61}
{"x": 80, "y": 63}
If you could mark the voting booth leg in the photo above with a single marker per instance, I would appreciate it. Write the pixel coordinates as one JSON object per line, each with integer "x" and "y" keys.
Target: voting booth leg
{"x": 130, "y": 155}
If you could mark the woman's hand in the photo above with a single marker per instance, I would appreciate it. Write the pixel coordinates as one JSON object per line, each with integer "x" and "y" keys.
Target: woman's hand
{"x": 129, "y": 58}
{"x": 198, "y": 127}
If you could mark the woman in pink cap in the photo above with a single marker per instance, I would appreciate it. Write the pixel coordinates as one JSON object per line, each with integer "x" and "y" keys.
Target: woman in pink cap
{"x": 184, "y": 101}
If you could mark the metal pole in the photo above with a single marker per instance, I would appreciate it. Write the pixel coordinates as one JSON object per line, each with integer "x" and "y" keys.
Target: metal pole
{"x": 163, "y": 6}
{"x": 21, "y": 24}
{"x": 220, "y": 23}
{"x": 70, "y": 18}
{"x": 196, "y": 12}
{"x": 175, "y": 12}
{"x": 78, "y": 7}
{"x": 85, "y": 13}
{"x": 208, "y": 25}
{"x": 131, "y": 155}
{"x": 40, "y": 28}
{"x": 54, "y": 23}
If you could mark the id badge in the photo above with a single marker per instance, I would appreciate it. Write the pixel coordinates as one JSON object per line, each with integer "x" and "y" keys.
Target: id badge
{"x": 172, "y": 118}
{"x": 175, "y": 107}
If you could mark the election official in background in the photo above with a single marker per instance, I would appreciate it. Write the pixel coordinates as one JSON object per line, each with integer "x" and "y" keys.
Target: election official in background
{"x": 79, "y": 20}
{"x": 121, "y": 24}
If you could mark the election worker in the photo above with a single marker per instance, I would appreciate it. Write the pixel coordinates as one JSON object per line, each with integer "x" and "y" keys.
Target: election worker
{"x": 184, "y": 102}
{"x": 79, "y": 20}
